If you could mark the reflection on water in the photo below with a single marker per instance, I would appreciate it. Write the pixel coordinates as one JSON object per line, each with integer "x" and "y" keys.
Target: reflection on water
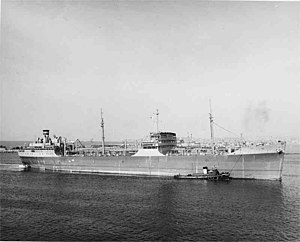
{"x": 56, "y": 206}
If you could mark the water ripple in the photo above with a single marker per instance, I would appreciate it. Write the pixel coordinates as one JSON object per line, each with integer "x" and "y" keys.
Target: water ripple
{"x": 54, "y": 206}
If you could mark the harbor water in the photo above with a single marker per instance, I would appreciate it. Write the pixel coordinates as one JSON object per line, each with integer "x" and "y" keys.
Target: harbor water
{"x": 38, "y": 205}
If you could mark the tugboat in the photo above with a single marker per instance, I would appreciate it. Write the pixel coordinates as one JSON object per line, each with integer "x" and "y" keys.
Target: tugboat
{"x": 212, "y": 174}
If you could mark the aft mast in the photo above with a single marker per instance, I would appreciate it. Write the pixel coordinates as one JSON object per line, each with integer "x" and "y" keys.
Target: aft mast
{"x": 211, "y": 129}
{"x": 102, "y": 126}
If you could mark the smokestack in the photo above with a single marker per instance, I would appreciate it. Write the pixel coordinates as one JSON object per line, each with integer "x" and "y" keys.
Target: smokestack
{"x": 46, "y": 135}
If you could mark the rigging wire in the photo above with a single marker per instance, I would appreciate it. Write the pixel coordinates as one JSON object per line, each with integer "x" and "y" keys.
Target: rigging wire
{"x": 225, "y": 129}
{"x": 235, "y": 163}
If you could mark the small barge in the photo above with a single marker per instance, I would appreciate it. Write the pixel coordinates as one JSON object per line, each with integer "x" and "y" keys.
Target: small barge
{"x": 212, "y": 174}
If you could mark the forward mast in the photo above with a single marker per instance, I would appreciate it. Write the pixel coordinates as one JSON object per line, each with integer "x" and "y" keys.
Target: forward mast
{"x": 103, "y": 139}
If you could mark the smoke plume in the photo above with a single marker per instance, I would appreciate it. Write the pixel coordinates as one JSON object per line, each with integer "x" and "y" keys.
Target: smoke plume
{"x": 256, "y": 117}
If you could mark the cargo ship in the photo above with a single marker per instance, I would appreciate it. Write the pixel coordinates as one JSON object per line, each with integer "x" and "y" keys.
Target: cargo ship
{"x": 158, "y": 156}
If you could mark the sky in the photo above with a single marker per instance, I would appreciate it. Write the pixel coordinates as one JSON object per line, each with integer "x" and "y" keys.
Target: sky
{"x": 62, "y": 61}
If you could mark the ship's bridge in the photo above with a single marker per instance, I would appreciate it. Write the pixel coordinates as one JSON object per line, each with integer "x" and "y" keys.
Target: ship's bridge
{"x": 163, "y": 141}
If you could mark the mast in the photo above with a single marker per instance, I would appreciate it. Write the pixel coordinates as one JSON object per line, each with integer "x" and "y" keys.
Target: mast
{"x": 102, "y": 126}
{"x": 211, "y": 129}
{"x": 65, "y": 146}
{"x": 125, "y": 147}
{"x": 157, "y": 120}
